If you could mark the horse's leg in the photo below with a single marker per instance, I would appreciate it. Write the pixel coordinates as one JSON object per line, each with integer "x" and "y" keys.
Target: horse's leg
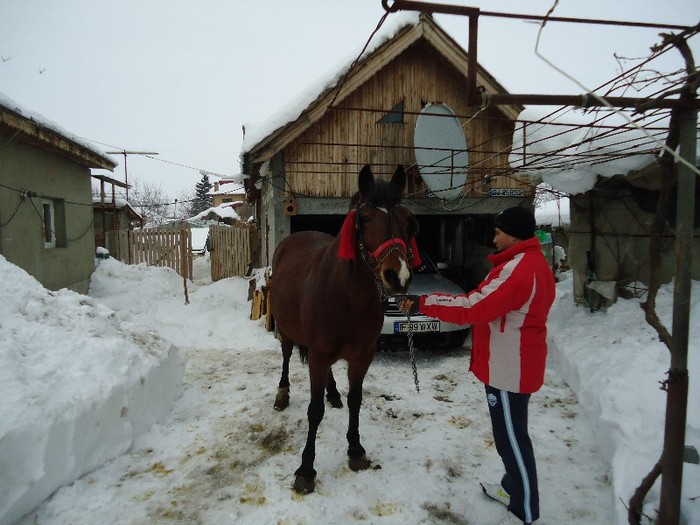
{"x": 357, "y": 460}
{"x": 282, "y": 398}
{"x": 332, "y": 394}
{"x": 305, "y": 475}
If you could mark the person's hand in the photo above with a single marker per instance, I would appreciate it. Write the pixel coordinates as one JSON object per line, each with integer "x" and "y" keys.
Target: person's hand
{"x": 408, "y": 304}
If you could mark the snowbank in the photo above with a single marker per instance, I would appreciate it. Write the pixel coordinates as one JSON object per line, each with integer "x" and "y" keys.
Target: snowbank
{"x": 615, "y": 362}
{"x": 77, "y": 385}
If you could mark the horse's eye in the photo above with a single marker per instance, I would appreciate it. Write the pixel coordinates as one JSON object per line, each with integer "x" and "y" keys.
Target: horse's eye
{"x": 365, "y": 219}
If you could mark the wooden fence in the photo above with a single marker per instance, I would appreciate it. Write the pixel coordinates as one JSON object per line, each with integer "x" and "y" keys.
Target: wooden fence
{"x": 163, "y": 247}
{"x": 233, "y": 250}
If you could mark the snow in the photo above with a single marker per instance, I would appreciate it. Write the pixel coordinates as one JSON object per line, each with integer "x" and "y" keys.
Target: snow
{"x": 290, "y": 111}
{"x": 199, "y": 238}
{"x": 223, "y": 211}
{"x": 77, "y": 385}
{"x": 224, "y": 455}
{"x": 51, "y": 125}
{"x": 597, "y": 151}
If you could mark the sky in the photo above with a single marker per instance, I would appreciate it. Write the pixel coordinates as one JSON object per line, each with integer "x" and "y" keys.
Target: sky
{"x": 139, "y": 408}
{"x": 182, "y": 78}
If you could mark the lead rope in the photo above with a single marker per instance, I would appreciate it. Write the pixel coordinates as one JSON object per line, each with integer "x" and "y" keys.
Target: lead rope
{"x": 411, "y": 348}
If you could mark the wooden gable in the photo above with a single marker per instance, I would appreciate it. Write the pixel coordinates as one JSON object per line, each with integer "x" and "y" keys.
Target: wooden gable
{"x": 356, "y": 122}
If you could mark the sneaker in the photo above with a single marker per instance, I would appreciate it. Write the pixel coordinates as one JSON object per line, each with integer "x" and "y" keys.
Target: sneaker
{"x": 496, "y": 492}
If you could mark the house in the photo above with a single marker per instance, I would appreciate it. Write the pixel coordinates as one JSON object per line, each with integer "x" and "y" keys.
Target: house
{"x": 231, "y": 191}
{"x": 46, "y": 208}
{"x": 114, "y": 218}
{"x": 302, "y": 172}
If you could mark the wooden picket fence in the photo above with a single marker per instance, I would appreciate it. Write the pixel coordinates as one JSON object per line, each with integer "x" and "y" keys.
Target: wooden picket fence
{"x": 233, "y": 250}
{"x": 171, "y": 247}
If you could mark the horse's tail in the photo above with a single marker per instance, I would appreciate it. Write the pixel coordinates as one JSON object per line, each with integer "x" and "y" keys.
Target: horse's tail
{"x": 304, "y": 354}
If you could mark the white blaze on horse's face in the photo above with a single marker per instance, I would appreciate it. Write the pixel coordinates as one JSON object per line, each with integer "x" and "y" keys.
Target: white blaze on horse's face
{"x": 404, "y": 273}
{"x": 390, "y": 254}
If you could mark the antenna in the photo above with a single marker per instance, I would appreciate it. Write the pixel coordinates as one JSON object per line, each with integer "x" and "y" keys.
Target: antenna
{"x": 441, "y": 151}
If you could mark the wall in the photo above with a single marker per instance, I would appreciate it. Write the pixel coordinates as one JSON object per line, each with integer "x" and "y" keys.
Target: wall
{"x": 620, "y": 242}
{"x": 29, "y": 169}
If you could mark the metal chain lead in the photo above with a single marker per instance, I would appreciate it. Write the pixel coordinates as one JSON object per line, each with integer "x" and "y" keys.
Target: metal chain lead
{"x": 412, "y": 350}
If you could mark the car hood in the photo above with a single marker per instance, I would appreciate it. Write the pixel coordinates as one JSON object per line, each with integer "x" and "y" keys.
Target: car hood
{"x": 424, "y": 284}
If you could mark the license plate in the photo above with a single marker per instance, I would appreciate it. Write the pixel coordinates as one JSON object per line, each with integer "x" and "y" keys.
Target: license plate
{"x": 401, "y": 327}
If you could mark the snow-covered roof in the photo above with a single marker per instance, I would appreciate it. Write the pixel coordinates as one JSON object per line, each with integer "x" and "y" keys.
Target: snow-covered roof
{"x": 12, "y": 108}
{"x": 570, "y": 150}
{"x": 119, "y": 203}
{"x": 228, "y": 187}
{"x": 223, "y": 211}
{"x": 255, "y": 132}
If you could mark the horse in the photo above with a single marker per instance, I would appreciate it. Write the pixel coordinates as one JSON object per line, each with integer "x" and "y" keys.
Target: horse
{"x": 326, "y": 296}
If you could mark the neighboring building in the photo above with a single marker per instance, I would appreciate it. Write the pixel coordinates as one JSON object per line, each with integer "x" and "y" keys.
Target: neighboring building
{"x": 46, "y": 208}
{"x": 609, "y": 241}
{"x": 115, "y": 218}
{"x": 613, "y": 178}
{"x": 230, "y": 191}
{"x": 367, "y": 115}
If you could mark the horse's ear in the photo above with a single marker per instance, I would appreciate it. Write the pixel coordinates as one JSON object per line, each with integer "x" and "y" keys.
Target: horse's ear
{"x": 399, "y": 178}
{"x": 366, "y": 181}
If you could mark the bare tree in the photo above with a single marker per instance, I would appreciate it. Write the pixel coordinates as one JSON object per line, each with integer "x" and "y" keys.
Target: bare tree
{"x": 184, "y": 204}
{"x": 150, "y": 201}
{"x": 670, "y": 464}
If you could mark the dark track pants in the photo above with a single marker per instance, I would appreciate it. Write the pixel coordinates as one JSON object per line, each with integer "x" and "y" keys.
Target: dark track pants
{"x": 509, "y": 422}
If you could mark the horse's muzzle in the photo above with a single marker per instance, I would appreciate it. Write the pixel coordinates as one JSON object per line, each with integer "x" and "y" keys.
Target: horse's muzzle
{"x": 396, "y": 280}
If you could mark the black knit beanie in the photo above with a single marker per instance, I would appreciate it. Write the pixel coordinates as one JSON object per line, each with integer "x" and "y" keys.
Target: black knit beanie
{"x": 518, "y": 222}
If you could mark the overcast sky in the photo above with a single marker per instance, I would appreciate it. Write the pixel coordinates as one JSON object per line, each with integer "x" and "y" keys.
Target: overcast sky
{"x": 182, "y": 77}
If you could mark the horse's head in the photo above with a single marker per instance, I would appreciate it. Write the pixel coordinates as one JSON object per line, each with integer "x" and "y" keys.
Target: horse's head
{"x": 383, "y": 230}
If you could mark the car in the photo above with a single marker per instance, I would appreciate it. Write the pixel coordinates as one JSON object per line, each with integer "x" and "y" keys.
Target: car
{"x": 427, "y": 332}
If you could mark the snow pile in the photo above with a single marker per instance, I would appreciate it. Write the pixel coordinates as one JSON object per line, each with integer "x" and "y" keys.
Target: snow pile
{"x": 223, "y": 455}
{"x": 566, "y": 153}
{"x": 76, "y": 387}
{"x": 615, "y": 362}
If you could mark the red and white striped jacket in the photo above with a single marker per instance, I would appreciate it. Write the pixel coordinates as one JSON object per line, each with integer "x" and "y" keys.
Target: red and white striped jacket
{"x": 508, "y": 313}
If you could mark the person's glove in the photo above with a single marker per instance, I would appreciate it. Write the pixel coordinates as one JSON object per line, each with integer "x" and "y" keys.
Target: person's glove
{"x": 409, "y": 304}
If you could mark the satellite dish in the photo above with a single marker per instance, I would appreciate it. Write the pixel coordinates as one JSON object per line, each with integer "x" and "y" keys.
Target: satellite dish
{"x": 441, "y": 151}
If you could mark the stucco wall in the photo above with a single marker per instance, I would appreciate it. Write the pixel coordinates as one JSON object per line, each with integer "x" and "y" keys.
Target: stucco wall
{"x": 42, "y": 175}
{"x": 616, "y": 230}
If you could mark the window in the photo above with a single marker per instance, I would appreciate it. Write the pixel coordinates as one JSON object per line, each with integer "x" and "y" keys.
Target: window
{"x": 49, "y": 224}
{"x": 54, "y": 223}
{"x": 394, "y": 116}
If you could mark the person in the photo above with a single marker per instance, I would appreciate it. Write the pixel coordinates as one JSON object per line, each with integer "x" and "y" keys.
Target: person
{"x": 508, "y": 312}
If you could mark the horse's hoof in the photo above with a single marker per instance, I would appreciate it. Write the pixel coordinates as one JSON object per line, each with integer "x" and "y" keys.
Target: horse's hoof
{"x": 335, "y": 402}
{"x": 304, "y": 485}
{"x": 359, "y": 463}
{"x": 282, "y": 399}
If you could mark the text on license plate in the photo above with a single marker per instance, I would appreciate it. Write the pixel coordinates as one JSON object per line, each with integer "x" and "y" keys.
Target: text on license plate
{"x": 401, "y": 327}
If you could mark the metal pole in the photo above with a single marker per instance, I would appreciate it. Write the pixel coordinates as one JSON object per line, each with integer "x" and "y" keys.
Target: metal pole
{"x": 125, "y": 153}
{"x": 677, "y": 396}
{"x": 448, "y": 9}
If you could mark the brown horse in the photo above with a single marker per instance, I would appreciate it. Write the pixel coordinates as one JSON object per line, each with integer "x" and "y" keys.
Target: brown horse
{"x": 328, "y": 300}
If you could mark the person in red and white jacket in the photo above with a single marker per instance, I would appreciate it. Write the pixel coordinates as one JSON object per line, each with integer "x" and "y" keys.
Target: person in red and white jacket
{"x": 508, "y": 312}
